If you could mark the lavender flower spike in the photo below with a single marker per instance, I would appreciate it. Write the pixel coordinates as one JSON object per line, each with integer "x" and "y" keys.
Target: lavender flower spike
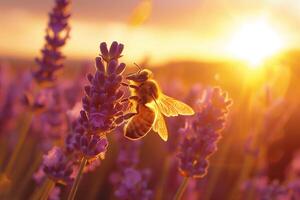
{"x": 102, "y": 106}
{"x": 102, "y": 102}
{"x": 128, "y": 181}
{"x": 134, "y": 185}
{"x": 57, "y": 34}
{"x": 203, "y": 133}
{"x": 102, "y": 110}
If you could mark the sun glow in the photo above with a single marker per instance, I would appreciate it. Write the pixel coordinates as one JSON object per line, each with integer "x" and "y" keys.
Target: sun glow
{"x": 255, "y": 41}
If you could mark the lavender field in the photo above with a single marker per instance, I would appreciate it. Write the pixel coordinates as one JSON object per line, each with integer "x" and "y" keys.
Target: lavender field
{"x": 149, "y": 99}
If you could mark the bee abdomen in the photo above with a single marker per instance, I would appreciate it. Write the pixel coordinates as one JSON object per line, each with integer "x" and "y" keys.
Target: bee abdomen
{"x": 140, "y": 124}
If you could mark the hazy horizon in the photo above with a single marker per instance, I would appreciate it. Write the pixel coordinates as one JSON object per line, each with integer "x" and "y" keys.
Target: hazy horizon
{"x": 189, "y": 30}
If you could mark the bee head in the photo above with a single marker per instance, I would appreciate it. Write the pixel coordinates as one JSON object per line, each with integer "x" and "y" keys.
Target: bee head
{"x": 140, "y": 76}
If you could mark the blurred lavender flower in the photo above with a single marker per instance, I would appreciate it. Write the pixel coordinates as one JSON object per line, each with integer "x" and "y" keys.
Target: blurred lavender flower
{"x": 294, "y": 187}
{"x": 274, "y": 190}
{"x": 51, "y": 125}
{"x": 128, "y": 181}
{"x": 261, "y": 188}
{"x": 57, "y": 166}
{"x": 73, "y": 92}
{"x": 133, "y": 184}
{"x": 56, "y": 35}
{"x": 10, "y": 89}
{"x": 7, "y": 109}
{"x": 202, "y": 133}
{"x": 5, "y": 79}
{"x": 128, "y": 151}
{"x": 177, "y": 125}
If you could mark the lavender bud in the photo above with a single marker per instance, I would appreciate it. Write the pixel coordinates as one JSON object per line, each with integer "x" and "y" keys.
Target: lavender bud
{"x": 99, "y": 64}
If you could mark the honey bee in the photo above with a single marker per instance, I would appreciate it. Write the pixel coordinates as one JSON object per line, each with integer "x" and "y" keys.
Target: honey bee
{"x": 151, "y": 106}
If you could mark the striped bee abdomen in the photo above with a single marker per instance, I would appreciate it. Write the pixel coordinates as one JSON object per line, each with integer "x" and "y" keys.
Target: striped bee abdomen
{"x": 140, "y": 124}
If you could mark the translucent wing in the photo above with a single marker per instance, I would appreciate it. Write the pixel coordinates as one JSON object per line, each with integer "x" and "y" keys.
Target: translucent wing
{"x": 159, "y": 125}
{"x": 172, "y": 107}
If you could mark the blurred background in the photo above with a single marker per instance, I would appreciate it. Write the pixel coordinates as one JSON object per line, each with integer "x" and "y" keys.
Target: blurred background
{"x": 249, "y": 48}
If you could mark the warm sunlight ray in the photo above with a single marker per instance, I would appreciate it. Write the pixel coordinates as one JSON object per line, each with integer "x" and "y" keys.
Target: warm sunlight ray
{"x": 254, "y": 41}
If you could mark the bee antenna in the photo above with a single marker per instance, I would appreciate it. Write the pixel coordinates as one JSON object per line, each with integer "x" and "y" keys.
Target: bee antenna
{"x": 140, "y": 69}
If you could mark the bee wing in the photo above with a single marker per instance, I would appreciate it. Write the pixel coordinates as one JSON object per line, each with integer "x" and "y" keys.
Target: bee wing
{"x": 172, "y": 107}
{"x": 159, "y": 125}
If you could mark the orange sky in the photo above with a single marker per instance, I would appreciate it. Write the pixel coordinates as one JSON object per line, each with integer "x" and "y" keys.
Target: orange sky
{"x": 190, "y": 29}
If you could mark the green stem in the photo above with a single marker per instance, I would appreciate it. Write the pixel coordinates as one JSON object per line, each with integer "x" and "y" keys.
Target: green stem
{"x": 43, "y": 191}
{"x": 164, "y": 176}
{"x": 22, "y": 137}
{"x": 181, "y": 189}
{"x": 2, "y": 152}
{"x": 215, "y": 173}
{"x": 74, "y": 188}
{"x": 23, "y": 186}
{"x": 49, "y": 186}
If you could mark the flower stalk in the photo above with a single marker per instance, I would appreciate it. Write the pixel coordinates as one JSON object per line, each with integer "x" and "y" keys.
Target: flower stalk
{"x": 25, "y": 125}
{"x": 49, "y": 186}
{"x": 181, "y": 189}
{"x": 74, "y": 188}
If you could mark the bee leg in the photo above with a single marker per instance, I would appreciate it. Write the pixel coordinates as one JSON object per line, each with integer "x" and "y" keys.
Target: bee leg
{"x": 124, "y": 118}
{"x": 130, "y": 85}
{"x": 135, "y": 98}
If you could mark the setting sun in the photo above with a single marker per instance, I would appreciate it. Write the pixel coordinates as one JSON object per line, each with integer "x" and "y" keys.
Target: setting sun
{"x": 255, "y": 41}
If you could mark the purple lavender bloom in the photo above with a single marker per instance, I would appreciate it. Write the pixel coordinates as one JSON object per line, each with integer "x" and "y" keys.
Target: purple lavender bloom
{"x": 274, "y": 190}
{"x": 177, "y": 125}
{"x": 10, "y": 90}
{"x": 261, "y": 188}
{"x": 7, "y": 109}
{"x": 57, "y": 166}
{"x": 133, "y": 184}
{"x": 102, "y": 102}
{"x": 294, "y": 187}
{"x": 128, "y": 181}
{"x": 128, "y": 151}
{"x": 57, "y": 34}
{"x": 51, "y": 125}
{"x": 102, "y": 112}
{"x": 102, "y": 107}
{"x": 90, "y": 146}
{"x": 203, "y": 133}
